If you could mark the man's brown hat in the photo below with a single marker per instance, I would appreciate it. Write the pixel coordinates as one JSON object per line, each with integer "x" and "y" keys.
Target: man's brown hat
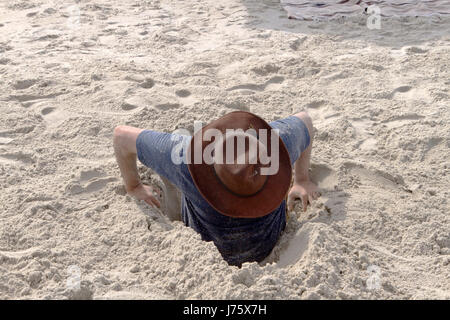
{"x": 239, "y": 190}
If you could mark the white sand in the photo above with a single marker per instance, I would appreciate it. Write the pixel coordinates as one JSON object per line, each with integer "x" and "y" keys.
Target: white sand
{"x": 379, "y": 99}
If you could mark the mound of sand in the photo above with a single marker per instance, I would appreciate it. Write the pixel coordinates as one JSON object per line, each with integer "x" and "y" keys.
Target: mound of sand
{"x": 379, "y": 99}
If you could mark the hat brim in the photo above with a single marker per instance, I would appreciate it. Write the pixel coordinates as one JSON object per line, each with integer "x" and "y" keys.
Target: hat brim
{"x": 218, "y": 196}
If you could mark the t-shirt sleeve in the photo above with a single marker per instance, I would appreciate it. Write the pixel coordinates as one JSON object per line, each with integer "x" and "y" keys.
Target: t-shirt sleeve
{"x": 164, "y": 153}
{"x": 294, "y": 134}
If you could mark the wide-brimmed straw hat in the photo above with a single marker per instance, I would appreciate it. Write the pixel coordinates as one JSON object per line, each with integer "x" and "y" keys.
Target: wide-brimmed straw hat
{"x": 239, "y": 189}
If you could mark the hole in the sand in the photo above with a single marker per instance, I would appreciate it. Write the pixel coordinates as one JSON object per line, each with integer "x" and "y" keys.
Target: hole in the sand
{"x": 403, "y": 89}
{"x": 127, "y": 106}
{"x": 183, "y": 93}
{"x": 47, "y": 110}
{"x": 147, "y": 83}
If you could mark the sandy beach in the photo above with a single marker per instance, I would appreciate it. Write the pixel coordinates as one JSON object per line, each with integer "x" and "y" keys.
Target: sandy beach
{"x": 71, "y": 71}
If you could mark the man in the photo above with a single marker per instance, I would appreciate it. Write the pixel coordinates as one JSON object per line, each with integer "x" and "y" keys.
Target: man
{"x": 239, "y": 205}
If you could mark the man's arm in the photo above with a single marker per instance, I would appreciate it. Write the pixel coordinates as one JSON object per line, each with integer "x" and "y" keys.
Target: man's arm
{"x": 124, "y": 142}
{"x": 303, "y": 188}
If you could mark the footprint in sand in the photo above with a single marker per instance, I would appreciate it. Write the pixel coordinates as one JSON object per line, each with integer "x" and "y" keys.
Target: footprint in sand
{"x": 51, "y": 113}
{"x": 325, "y": 116}
{"x": 183, "y": 93}
{"x": 24, "y": 84}
{"x": 372, "y": 178}
{"x": 273, "y": 82}
{"x": 4, "y": 61}
{"x": 403, "y": 89}
{"x": 167, "y": 106}
{"x": 407, "y": 92}
{"x": 16, "y": 130}
{"x": 322, "y": 113}
{"x": 141, "y": 80}
{"x": 128, "y": 106}
{"x": 401, "y": 120}
{"x": 15, "y": 158}
{"x": 439, "y": 147}
{"x": 87, "y": 175}
{"x": 98, "y": 184}
{"x": 134, "y": 102}
{"x": 147, "y": 83}
{"x": 47, "y": 110}
{"x": 89, "y": 181}
{"x": 315, "y": 104}
{"x": 28, "y": 99}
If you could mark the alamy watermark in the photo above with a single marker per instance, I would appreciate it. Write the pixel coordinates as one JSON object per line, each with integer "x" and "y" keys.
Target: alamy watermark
{"x": 73, "y": 19}
{"x": 374, "y": 19}
{"x": 374, "y": 280}
{"x": 74, "y": 278}
{"x": 232, "y": 140}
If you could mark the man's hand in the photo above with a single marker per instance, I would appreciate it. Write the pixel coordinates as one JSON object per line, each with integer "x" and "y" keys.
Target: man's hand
{"x": 125, "y": 149}
{"x": 144, "y": 193}
{"x": 305, "y": 190}
{"x": 303, "y": 187}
